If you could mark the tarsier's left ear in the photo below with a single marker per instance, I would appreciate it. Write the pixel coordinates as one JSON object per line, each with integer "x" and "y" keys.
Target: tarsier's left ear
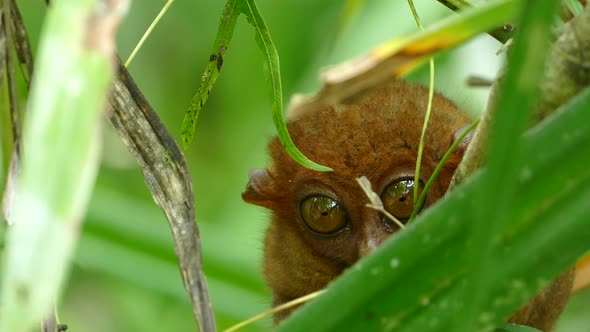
{"x": 260, "y": 189}
{"x": 465, "y": 142}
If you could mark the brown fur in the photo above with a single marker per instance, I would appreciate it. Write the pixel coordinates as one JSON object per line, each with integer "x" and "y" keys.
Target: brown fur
{"x": 544, "y": 310}
{"x": 377, "y": 136}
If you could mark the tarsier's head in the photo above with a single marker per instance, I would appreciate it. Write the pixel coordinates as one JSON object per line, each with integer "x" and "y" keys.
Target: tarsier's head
{"x": 321, "y": 224}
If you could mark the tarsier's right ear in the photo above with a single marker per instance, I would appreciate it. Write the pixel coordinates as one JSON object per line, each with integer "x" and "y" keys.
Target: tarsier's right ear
{"x": 260, "y": 189}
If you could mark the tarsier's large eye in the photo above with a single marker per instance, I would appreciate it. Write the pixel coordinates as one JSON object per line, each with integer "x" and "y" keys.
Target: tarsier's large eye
{"x": 398, "y": 198}
{"x": 323, "y": 215}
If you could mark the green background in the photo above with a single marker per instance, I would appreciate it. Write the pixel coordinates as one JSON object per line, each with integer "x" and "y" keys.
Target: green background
{"x": 125, "y": 277}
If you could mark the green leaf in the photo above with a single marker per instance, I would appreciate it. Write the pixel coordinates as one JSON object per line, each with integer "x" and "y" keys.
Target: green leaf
{"x": 415, "y": 280}
{"x": 400, "y": 56}
{"x": 225, "y": 31}
{"x": 271, "y": 59}
{"x": 451, "y": 31}
{"x": 224, "y": 34}
{"x": 420, "y": 201}
{"x": 519, "y": 91}
{"x": 515, "y": 328}
{"x": 61, "y": 145}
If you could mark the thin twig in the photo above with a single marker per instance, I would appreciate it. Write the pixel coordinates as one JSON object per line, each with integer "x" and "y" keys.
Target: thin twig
{"x": 10, "y": 74}
{"x": 274, "y": 310}
{"x": 426, "y": 115}
{"x": 10, "y": 194}
{"x": 475, "y": 81}
{"x": 376, "y": 202}
{"x": 415, "y": 14}
{"x": 11, "y": 18}
{"x": 2, "y": 47}
{"x": 504, "y": 47}
{"x": 455, "y": 5}
{"x": 167, "y": 176}
{"x": 148, "y": 32}
{"x": 501, "y": 34}
{"x": 22, "y": 44}
{"x": 474, "y": 156}
{"x": 420, "y": 201}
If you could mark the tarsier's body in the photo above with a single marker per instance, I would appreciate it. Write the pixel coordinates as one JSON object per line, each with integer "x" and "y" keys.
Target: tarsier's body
{"x": 320, "y": 222}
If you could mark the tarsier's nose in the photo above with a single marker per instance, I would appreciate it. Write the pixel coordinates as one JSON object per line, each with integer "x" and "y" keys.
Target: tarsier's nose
{"x": 374, "y": 231}
{"x": 373, "y": 238}
{"x": 368, "y": 246}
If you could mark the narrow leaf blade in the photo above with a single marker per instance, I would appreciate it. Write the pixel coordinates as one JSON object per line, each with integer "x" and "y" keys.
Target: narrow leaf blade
{"x": 271, "y": 58}
{"x": 225, "y": 31}
{"x": 61, "y": 145}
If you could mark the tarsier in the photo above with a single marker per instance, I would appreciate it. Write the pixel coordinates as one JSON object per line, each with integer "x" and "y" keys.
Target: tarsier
{"x": 321, "y": 224}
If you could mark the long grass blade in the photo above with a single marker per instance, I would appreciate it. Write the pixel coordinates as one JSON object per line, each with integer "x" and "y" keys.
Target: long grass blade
{"x": 225, "y": 31}
{"x": 271, "y": 58}
{"x": 60, "y": 156}
{"x": 517, "y": 96}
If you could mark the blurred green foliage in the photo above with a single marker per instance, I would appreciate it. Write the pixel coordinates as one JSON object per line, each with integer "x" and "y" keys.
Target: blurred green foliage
{"x": 125, "y": 276}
